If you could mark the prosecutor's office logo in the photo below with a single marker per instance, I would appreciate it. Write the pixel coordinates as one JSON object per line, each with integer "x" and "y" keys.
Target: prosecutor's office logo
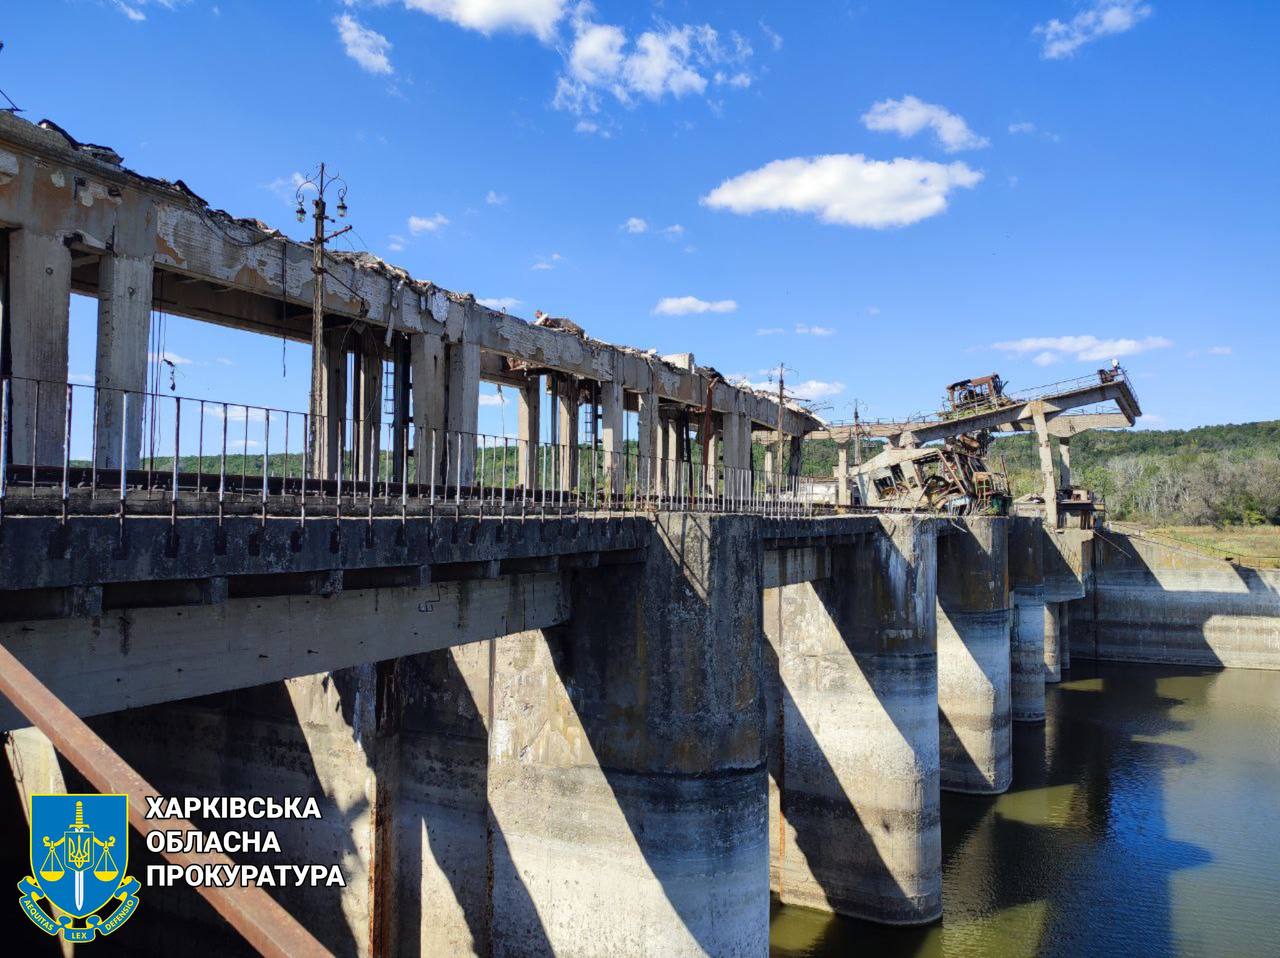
{"x": 79, "y": 858}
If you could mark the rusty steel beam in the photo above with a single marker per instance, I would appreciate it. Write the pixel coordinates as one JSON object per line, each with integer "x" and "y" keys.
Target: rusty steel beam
{"x": 251, "y": 911}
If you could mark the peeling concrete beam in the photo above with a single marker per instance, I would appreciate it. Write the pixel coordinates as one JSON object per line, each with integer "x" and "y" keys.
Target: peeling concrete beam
{"x": 163, "y": 654}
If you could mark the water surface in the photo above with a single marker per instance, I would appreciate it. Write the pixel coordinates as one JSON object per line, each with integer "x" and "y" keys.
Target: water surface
{"x": 1144, "y": 820}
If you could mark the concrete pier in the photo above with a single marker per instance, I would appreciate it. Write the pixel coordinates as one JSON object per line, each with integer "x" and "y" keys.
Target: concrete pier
{"x": 974, "y": 613}
{"x": 1052, "y": 642}
{"x": 854, "y": 751}
{"x": 627, "y": 773}
{"x": 1064, "y": 636}
{"x": 1026, "y": 637}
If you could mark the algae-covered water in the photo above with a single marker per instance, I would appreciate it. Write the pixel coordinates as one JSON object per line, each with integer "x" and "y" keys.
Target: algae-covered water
{"x": 1144, "y": 820}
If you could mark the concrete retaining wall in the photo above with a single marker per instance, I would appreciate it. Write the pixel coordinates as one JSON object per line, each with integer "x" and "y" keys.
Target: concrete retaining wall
{"x": 1151, "y": 602}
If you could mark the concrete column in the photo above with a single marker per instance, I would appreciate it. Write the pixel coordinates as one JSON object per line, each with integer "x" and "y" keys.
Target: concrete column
{"x": 1064, "y": 636}
{"x": 711, "y": 464}
{"x": 567, "y": 432}
{"x": 859, "y": 830}
{"x": 1064, "y": 458}
{"x": 369, "y": 407}
{"x": 124, "y": 322}
{"x": 1050, "y": 480}
{"x": 626, "y": 772}
{"x": 430, "y": 388}
{"x": 330, "y": 433}
{"x": 442, "y": 820}
{"x": 37, "y": 321}
{"x": 1026, "y": 578}
{"x": 770, "y": 475}
{"x": 974, "y": 717}
{"x": 673, "y": 463}
{"x": 731, "y": 439}
{"x": 842, "y": 474}
{"x": 611, "y": 420}
{"x": 530, "y": 426}
{"x": 400, "y": 405}
{"x": 796, "y": 462}
{"x": 463, "y": 410}
{"x": 647, "y": 433}
{"x": 1053, "y": 642}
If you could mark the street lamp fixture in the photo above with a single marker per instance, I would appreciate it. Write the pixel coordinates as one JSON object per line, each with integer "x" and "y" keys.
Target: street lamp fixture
{"x": 319, "y": 183}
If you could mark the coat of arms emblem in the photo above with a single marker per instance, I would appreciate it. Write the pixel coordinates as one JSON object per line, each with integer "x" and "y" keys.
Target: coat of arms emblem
{"x": 79, "y": 857}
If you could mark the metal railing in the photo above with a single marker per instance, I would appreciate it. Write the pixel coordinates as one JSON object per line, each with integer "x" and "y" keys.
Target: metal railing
{"x": 78, "y": 443}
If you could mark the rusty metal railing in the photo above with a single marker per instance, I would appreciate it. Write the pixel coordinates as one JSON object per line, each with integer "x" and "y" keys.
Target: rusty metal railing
{"x": 75, "y": 444}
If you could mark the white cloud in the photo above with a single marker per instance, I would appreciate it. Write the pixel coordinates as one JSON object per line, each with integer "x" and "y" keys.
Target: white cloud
{"x": 773, "y": 36}
{"x": 81, "y": 378}
{"x": 395, "y": 242}
{"x": 910, "y": 115}
{"x": 1023, "y": 127}
{"x": 538, "y": 17}
{"x": 813, "y": 389}
{"x": 669, "y": 60}
{"x": 367, "y": 47}
{"x": 686, "y": 305}
{"x": 547, "y": 262}
{"x": 494, "y": 198}
{"x": 1219, "y": 350}
{"x": 133, "y": 13}
{"x": 803, "y": 329}
{"x": 674, "y": 231}
{"x": 1103, "y": 18}
{"x": 491, "y": 399}
{"x": 846, "y": 189}
{"x": 504, "y": 303}
{"x": 770, "y": 331}
{"x": 286, "y": 187}
{"x": 427, "y": 224}
{"x": 873, "y": 310}
{"x": 635, "y": 225}
{"x": 1085, "y": 348}
{"x": 224, "y": 361}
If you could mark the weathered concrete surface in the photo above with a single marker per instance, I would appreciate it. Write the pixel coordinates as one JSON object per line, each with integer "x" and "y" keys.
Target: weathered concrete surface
{"x": 1064, "y": 636}
{"x": 442, "y": 828}
{"x": 1026, "y": 636}
{"x": 1066, "y": 563}
{"x": 1152, "y": 602}
{"x": 92, "y": 550}
{"x": 974, "y": 613}
{"x": 139, "y": 654}
{"x": 627, "y": 769}
{"x": 854, "y": 731}
{"x": 1053, "y": 642}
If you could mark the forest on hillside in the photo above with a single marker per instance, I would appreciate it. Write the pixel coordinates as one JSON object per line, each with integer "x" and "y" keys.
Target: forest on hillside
{"x": 1211, "y": 475}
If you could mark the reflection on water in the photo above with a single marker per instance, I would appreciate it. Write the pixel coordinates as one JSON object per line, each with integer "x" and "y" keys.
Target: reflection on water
{"x": 1144, "y": 820}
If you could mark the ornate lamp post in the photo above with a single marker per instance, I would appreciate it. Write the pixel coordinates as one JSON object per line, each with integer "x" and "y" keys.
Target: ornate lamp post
{"x": 319, "y": 183}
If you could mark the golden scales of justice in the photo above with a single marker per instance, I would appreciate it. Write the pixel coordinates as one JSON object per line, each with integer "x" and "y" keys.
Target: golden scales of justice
{"x": 77, "y": 844}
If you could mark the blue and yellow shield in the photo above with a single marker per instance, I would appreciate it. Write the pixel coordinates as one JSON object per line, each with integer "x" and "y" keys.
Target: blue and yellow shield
{"x": 79, "y": 857}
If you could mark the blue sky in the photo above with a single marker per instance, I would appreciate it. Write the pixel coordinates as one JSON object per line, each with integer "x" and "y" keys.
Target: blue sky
{"x": 885, "y": 196}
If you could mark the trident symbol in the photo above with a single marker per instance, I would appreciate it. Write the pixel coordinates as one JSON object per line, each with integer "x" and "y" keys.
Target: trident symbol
{"x": 78, "y": 842}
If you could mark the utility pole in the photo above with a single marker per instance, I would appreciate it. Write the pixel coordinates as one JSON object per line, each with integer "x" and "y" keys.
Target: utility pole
{"x": 857, "y": 436}
{"x": 777, "y": 448}
{"x": 320, "y": 182}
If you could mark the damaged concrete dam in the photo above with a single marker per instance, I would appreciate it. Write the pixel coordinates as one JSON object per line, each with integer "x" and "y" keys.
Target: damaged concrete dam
{"x": 607, "y": 686}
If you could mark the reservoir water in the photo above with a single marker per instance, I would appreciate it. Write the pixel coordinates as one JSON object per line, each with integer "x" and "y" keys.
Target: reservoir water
{"x": 1144, "y": 820}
